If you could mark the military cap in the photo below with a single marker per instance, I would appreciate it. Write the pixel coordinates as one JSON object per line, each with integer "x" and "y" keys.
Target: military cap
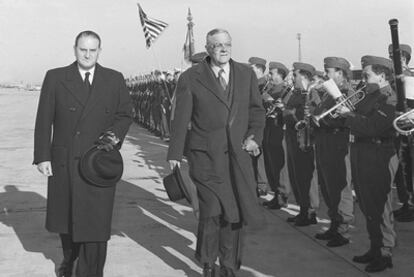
{"x": 198, "y": 57}
{"x": 256, "y": 60}
{"x": 305, "y": 67}
{"x": 336, "y": 62}
{"x": 403, "y": 47}
{"x": 373, "y": 60}
{"x": 280, "y": 66}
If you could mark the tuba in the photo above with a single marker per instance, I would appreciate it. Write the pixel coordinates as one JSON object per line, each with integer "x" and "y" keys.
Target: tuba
{"x": 404, "y": 124}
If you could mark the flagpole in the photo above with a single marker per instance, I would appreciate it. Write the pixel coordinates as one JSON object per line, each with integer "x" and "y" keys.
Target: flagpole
{"x": 156, "y": 58}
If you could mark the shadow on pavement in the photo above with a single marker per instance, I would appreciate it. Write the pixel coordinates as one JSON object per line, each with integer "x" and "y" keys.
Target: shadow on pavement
{"x": 139, "y": 215}
{"x": 24, "y": 211}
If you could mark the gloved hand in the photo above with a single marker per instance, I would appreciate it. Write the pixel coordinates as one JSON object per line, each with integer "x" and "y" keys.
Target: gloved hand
{"x": 107, "y": 141}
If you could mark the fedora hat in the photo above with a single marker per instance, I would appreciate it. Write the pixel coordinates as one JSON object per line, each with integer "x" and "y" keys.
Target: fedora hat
{"x": 175, "y": 187}
{"x": 101, "y": 168}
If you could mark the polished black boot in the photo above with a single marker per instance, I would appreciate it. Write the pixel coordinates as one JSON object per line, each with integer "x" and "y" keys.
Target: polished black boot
{"x": 337, "y": 240}
{"x": 327, "y": 235}
{"x": 364, "y": 259}
{"x": 304, "y": 219}
{"x": 292, "y": 219}
{"x": 209, "y": 270}
{"x": 379, "y": 264}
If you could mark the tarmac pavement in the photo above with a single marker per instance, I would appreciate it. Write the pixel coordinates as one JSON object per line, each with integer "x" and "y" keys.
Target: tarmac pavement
{"x": 152, "y": 236}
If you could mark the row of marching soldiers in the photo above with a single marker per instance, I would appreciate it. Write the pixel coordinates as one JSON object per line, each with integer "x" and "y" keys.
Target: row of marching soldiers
{"x": 152, "y": 99}
{"x": 352, "y": 146}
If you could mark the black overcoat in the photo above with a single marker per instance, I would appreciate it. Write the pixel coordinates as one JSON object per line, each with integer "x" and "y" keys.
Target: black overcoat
{"x": 220, "y": 169}
{"x": 68, "y": 123}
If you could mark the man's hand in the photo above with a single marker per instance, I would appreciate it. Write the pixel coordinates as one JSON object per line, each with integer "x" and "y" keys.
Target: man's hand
{"x": 45, "y": 168}
{"x": 174, "y": 163}
{"x": 107, "y": 141}
{"x": 343, "y": 111}
{"x": 251, "y": 146}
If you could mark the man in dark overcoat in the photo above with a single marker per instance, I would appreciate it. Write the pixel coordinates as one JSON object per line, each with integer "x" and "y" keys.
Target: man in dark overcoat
{"x": 79, "y": 104}
{"x": 220, "y": 98}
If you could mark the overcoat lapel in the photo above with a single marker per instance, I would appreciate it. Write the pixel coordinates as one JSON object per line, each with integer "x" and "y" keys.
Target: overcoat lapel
{"x": 74, "y": 84}
{"x": 236, "y": 75}
{"x": 207, "y": 79}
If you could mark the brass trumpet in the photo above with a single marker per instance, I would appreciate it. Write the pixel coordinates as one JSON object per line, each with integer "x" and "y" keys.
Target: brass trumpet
{"x": 349, "y": 102}
{"x": 404, "y": 124}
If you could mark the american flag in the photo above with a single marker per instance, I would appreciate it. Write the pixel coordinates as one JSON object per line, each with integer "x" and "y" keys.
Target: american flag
{"x": 152, "y": 27}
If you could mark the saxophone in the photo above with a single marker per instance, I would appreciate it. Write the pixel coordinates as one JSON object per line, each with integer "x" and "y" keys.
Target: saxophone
{"x": 303, "y": 127}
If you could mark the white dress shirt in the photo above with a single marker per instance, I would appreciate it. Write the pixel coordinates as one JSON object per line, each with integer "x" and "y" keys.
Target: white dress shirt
{"x": 91, "y": 71}
{"x": 216, "y": 69}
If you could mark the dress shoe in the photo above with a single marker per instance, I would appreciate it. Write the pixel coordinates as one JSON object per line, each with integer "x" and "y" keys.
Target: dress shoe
{"x": 337, "y": 240}
{"x": 364, "y": 259}
{"x": 404, "y": 208}
{"x": 379, "y": 264}
{"x": 226, "y": 271}
{"x": 327, "y": 235}
{"x": 209, "y": 270}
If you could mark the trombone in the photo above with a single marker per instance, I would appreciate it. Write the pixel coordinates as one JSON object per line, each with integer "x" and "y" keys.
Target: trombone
{"x": 404, "y": 124}
{"x": 349, "y": 102}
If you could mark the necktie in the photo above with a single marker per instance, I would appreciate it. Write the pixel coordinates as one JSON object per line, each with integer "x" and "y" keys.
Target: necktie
{"x": 222, "y": 81}
{"x": 87, "y": 83}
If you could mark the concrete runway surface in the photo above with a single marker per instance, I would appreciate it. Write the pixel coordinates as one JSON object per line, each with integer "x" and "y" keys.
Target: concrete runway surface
{"x": 152, "y": 236}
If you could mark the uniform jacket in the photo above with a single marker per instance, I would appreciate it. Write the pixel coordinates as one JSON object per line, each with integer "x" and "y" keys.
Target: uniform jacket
{"x": 221, "y": 170}
{"x": 374, "y": 115}
{"x": 68, "y": 123}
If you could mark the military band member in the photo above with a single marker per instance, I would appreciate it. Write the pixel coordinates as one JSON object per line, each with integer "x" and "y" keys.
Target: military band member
{"x": 373, "y": 159}
{"x": 331, "y": 148}
{"x": 274, "y": 155}
{"x": 300, "y": 159}
{"x": 405, "y": 151}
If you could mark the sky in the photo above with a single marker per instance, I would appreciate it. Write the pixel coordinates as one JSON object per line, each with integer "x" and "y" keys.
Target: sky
{"x": 37, "y": 35}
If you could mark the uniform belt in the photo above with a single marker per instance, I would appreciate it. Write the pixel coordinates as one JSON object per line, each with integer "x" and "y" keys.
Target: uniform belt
{"x": 333, "y": 130}
{"x": 374, "y": 140}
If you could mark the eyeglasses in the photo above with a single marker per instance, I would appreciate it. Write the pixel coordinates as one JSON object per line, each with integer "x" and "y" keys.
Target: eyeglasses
{"x": 216, "y": 46}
